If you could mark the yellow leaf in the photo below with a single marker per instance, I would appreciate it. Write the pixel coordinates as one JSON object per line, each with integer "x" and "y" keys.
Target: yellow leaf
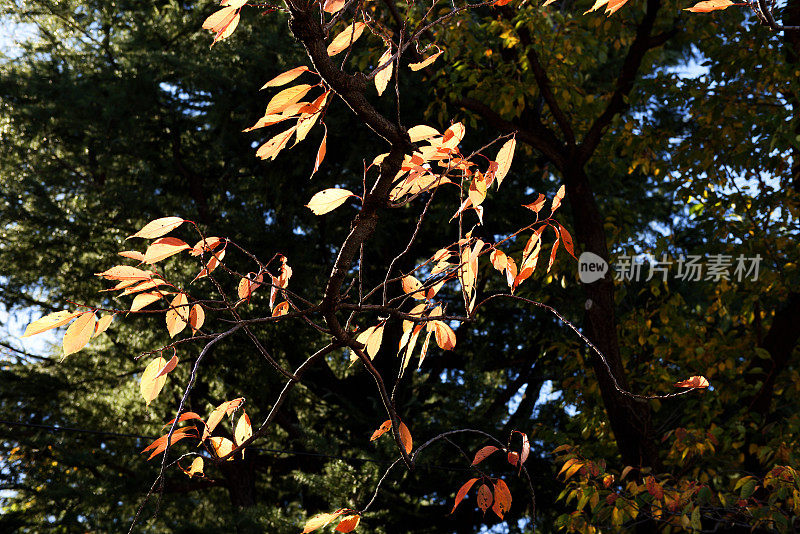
{"x": 143, "y": 300}
{"x": 243, "y": 430}
{"x": 328, "y": 200}
{"x": 196, "y": 467}
{"x": 226, "y": 408}
{"x": 178, "y": 315}
{"x": 286, "y": 98}
{"x": 49, "y": 321}
{"x": 320, "y": 520}
{"x": 503, "y": 159}
{"x": 286, "y": 77}
{"x": 344, "y": 39}
{"x": 103, "y": 324}
{"x": 427, "y": 61}
{"x": 383, "y": 76}
{"x": 164, "y": 248}
{"x": 422, "y": 132}
{"x": 222, "y": 446}
{"x": 151, "y": 384}
{"x": 333, "y": 6}
{"x": 693, "y": 382}
{"x": 158, "y": 227}
{"x": 272, "y": 148}
{"x": 710, "y": 5}
{"x": 79, "y": 333}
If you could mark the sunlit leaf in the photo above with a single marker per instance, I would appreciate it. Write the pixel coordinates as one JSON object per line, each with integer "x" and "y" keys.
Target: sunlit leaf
{"x": 348, "y": 523}
{"x": 168, "y": 367}
{"x": 226, "y": 408}
{"x": 286, "y": 77}
{"x": 52, "y": 320}
{"x": 79, "y": 333}
{"x": 243, "y": 430}
{"x": 484, "y": 498}
{"x": 343, "y": 40}
{"x": 425, "y": 62}
{"x": 710, "y": 5}
{"x": 151, "y": 383}
{"x": 383, "y": 429}
{"x": 164, "y": 248}
{"x": 557, "y": 199}
{"x": 328, "y": 200}
{"x": 405, "y": 437}
{"x": 178, "y": 315}
{"x": 385, "y": 74}
{"x": 462, "y": 492}
{"x": 221, "y": 446}
{"x": 197, "y": 316}
{"x": 320, "y": 520}
{"x": 158, "y": 227}
{"x": 502, "y": 498}
{"x": 484, "y": 453}
{"x": 504, "y": 158}
{"x": 102, "y": 324}
{"x": 286, "y": 98}
{"x": 693, "y": 382}
{"x": 333, "y": 6}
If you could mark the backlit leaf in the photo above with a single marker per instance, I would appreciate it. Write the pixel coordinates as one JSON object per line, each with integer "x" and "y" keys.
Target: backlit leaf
{"x": 164, "y": 248}
{"x": 425, "y": 62}
{"x": 557, "y": 199}
{"x": 126, "y": 272}
{"x": 405, "y": 437}
{"x": 143, "y": 300}
{"x": 52, "y": 320}
{"x": 286, "y": 98}
{"x": 693, "y": 382}
{"x": 221, "y": 446}
{"x": 383, "y": 429}
{"x": 484, "y": 453}
{"x": 160, "y": 445}
{"x": 79, "y": 333}
{"x": 422, "y": 132}
{"x": 226, "y": 408}
{"x": 484, "y": 498}
{"x": 320, "y": 520}
{"x": 243, "y": 430}
{"x": 348, "y": 523}
{"x": 178, "y": 315}
{"x": 504, "y": 158}
{"x": 384, "y": 75}
{"x": 197, "y": 316}
{"x": 502, "y": 498}
{"x": 333, "y": 6}
{"x": 343, "y": 40}
{"x": 323, "y": 147}
{"x": 151, "y": 384}
{"x": 462, "y": 492}
{"x": 102, "y": 324}
{"x": 286, "y": 77}
{"x": 168, "y": 367}
{"x": 158, "y": 227}
{"x": 328, "y": 200}
{"x": 196, "y": 468}
{"x": 710, "y": 5}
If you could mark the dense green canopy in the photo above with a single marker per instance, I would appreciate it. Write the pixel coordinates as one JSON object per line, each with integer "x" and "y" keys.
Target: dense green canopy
{"x": 676, "y": 134}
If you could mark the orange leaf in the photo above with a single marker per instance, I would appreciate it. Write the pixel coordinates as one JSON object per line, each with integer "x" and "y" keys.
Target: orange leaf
{"x": 286, "y": 77}
{"x": 412, "y": 286}
{"x": 132, "y": 254}
{"x": 513, "y": 458}
{"x": 405, "y": 437}
{"x": 164, "y": 248}
{"x": 343, "y": 40}
{"x": 79, "y": 333}
{"x": 502, "y": 498}
{"x": 693, "y": 382}
{"x": 333, "y": 6}
{"x": 205, "y": 245}
{"x": 323, "y": 147}
{"x": 462, "y": 492}
{"x": 273, "y": 147}
{"x": 425, "y": 62}
{"x": 484, "y": 498}
{"x": 126, "y": 272}
{"x": 710, "y": 5}
{"x": 160, "y": 445}
{"x": 222, "y": 446}
{"x": 196, "y": 468}
{"x": 445, "y": 337}
{"x": 383, "y": 429}
{"x": 281, "y": 309}
{"x": 152, "y": 381}
{"x": 158, "y": 227}
{"x": 197, "y": 316}
{"x": 567, "y": 238}
{"x": 348, "y": 523}
{"x": 52, "y": 320}
{"x": 185, "y": 416}
{"x": 168, "y": 367}
{"x": 484, "y": 453}
{"x": 536, "y": 205}
{"x": 142, "y": 300}
{"x": 286, "y": 98}
{"x": 557, "y": 199}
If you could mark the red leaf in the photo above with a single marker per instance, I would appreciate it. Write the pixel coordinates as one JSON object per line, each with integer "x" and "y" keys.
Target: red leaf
{"x": 482, "y": 454}
{"x": 502, "y": 498}
{"x": 462, "y": 492}
{"x": 383, "y": 429}
{"x": 484, "y": 498}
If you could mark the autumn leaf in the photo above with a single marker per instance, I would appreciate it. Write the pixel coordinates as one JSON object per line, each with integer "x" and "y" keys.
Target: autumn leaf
{"x": 484, "y": 453}
{"x": 405, "y": 437}
{"x": 502, "y": 498}
{"x": 133, "y": 255}
{"x": 79, "y": 333}
{"x": 158, "y": 227}
{"x": 125, "y": 273}
{"x": 425, "y": 62}
{"x": 371, "y": 338}
{"x": 286, "y": 98}
{"x": 160, "y": 445}
{"x": 710, "y": 5}
{"x": 226, "y": 408}
{"x": 320, "y": 520}
{"x": 168, "y": 367}
{"x": 333, "y": 6}
{"x": 178, "y": 315}
{"x": 386, "y": 65}
{"x": 567, "y": 239}
{"x": 383, "y": 429}
{"x": 286, "y": 77}
{"x": 445, "y": 337}
{"x": 197, "y": 316}
{"x": 221, "y": 446}
{"x": 462, "y": 492}
{"x": 223, "y": 22}
{"x": 323, "y": 147}
{"x": 52, "y": 320}
{"x": 484, "y": 498}
{"x": 281, "y": 309}
{"x": 164, "y": 248}
{"x": 328, "y": 200}
{"x": 558, "y": 198}
{"x": 151, "y": 382}
{"x": 345, "y": 38}
{"x": 102, "y": 324}
{"x": 348, "y": 523}
{"x": 693, "y": 382}
{"x": 504, "y": 158}
{"x": 142, "y": 300}
{"x": 243, "y": 430}
{"x": 196, "y": 468}
{"x": 412, "y": 286}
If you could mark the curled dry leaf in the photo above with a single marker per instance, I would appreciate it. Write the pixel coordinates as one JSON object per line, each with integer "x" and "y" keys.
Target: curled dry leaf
{"x": 345, "y": 38}
{"x": 383, "y": 429}
{"x": 328, "y": 200}
{"x": 462, "y": 492}
{"x": 693, "y": 382}
{"x": 159, "y": 227}
{"x": 160, "y": 445}
{"x": 152, "y": 381}
{"x": 79, "y": 333}
{"x": 52, "y": 320}
{"x": 484, "y": 453}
